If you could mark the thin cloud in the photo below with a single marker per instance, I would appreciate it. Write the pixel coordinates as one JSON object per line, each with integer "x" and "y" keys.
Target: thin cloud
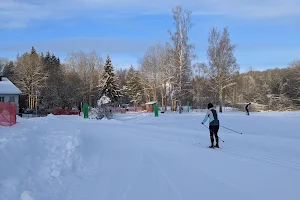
{"x": 18, "y": 13}
{"x": 104, "y": 45}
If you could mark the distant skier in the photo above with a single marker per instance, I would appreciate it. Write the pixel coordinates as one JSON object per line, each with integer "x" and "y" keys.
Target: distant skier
{"x": 213, "y": 124}
{"x": 247, "y": 108}
{"x": 79, "y": 110}
{"x": 180, "y": 109}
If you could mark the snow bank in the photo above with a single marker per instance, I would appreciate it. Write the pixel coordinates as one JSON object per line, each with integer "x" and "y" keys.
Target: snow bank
{"x": 35, "y": 156}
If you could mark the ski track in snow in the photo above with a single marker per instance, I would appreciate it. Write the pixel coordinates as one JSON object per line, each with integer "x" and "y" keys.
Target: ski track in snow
{"x": 270, "y": 160}
{"x": 243, "y": 154}
{"x": 227, "y": 183}
{"x": 160, "y": 171}
{"x": 256, "y": 157}
{"x": 133, "y": 179}
{"x": 167, "y": 179}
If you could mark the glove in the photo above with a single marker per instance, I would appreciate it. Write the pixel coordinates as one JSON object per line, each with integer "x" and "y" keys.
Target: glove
{"x": 202, "y": 123}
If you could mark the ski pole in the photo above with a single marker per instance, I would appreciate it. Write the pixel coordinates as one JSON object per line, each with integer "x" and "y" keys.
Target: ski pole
{"x": 232, "y": 130}
{"x": 213, "y": 132}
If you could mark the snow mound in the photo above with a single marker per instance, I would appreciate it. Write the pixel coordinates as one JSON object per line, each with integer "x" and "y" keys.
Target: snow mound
{"x": 36, "y": 155}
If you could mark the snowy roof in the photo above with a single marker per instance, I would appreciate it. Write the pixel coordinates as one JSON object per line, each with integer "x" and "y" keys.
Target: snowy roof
{"x": 150, "y": 103}
{"x": 7, "y": 87}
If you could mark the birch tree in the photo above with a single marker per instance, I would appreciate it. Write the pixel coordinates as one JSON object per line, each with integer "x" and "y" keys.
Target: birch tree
{"x": 149, "y": 72}
{"x": 89, "y": 66}
{"x": 156, "y": 73}
{"x": 222, "y": 64}
{"x": 30, "y": 75}
{"x": 182, "y": 53}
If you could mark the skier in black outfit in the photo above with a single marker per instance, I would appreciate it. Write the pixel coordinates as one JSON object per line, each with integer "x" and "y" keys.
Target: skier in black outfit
{"x": 213, "y": 124}
{"x": 247, "y": 108}
{"x": 79, "y": 110}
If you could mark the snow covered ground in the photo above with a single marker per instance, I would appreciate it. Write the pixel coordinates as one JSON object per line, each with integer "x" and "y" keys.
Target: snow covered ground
{"x": 140, "y": 157}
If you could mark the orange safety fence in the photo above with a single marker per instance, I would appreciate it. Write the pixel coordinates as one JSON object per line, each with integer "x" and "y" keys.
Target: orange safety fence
{"x": 127, "y": 110}
{"x": 135, "y": 109}
{"x": 118, "y": 110}
{"x": 65, "y": 112}
{"x": 8, "y": 113}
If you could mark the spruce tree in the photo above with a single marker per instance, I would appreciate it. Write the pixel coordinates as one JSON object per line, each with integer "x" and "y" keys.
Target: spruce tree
{"x": 133, "y": 86}
{"x": 33, "y": 51}
{"x": 54, "y": 88}
{"x": 9, "y": 71}
{"x": 109, "y": 86}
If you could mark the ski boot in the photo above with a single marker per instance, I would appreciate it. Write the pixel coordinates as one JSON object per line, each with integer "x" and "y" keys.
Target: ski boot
{"x": 212, "y": 142}
{"x": 217, "y": 142}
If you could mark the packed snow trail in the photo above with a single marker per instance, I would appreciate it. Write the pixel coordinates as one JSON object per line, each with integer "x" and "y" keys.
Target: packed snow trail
{"x": 147, "y": 159}
{"x": 133, "y": 167}
{"x": 138, "y": 157}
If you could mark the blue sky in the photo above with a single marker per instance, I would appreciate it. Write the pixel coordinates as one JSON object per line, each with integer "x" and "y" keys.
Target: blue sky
{"x": 266, "y": 32}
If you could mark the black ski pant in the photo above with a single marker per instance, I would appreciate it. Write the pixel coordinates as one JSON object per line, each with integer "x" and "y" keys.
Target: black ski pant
{"x": 214, "y": 132}
{"x": 247, "y": 111}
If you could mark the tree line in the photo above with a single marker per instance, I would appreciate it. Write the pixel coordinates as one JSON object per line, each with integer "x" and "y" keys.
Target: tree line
{"x": 166, "y": 74}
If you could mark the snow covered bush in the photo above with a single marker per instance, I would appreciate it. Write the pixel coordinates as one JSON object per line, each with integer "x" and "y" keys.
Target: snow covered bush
{"x": 103, "y": 100}
{"x": 102, "y": 110}
{"x": 93, "y": 113}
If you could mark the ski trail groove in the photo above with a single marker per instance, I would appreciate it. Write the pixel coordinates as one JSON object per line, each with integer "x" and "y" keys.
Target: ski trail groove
{"x": 275, "y": 161}
{"x": 166, "y": 178}
{"x": 266, "y": 159}
{"x": 254, "y": 156}
{"x": 129, "y": 187}
{"x": 228, "y": 183}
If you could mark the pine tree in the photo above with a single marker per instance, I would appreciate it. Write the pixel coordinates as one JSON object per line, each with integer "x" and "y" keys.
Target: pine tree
{"x": 33, "y": 51}
{"x": 53, "y": 92}
{"x": 133, "y": 86}
{"x": 46, "y": 60}
{"x": 9, "y": 71}
{"x": 47, "y": 56}
{"x": 54, "y": 60}
{"x": 109, "y": 86}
